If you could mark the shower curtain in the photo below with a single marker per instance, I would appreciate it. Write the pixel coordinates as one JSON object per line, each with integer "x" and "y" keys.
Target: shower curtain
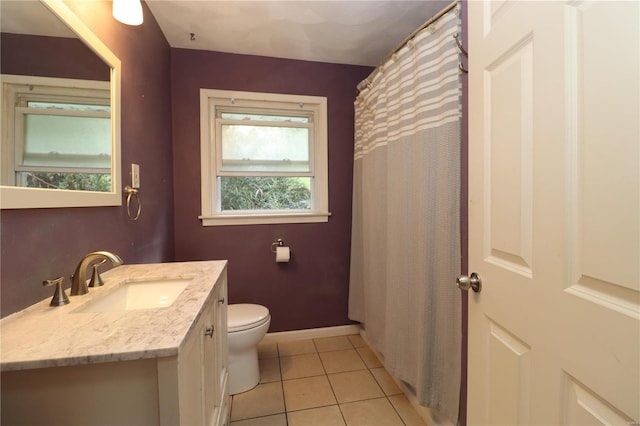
{"x": 405, "y": 251}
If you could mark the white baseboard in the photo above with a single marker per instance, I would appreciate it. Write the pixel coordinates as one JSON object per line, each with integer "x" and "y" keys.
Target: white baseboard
{"x": 311, "y": 333}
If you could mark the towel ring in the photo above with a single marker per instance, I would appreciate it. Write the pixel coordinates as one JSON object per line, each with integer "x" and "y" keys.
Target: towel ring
{"x": 130, "y": 193}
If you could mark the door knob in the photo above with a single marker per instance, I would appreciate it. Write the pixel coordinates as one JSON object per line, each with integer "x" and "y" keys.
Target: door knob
{"x": 473, "y": 282}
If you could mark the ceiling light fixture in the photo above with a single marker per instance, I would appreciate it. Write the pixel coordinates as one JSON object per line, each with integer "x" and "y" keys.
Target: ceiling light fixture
{"x": 128, "y": 11}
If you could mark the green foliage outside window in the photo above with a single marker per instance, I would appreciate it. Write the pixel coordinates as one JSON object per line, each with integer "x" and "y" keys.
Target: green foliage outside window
{"x": 73, "y": 181}
{"x": 265, "y": 193}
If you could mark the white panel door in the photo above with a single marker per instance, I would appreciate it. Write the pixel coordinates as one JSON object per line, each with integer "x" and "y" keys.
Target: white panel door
{"x": 554, "y": 208}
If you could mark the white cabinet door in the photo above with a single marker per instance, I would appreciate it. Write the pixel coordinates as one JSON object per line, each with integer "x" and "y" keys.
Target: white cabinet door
{"x": 190, "y": 389}
{"x": 222, "y": 361}
{"x": 214, "y": 355}
{"x": 209, "y": 366}
{"x": 202, "y": 365}
{"x": 554, "y": 208}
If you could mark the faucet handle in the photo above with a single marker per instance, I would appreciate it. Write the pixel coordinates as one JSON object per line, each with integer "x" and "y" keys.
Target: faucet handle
{"x": 96, "y": 279}
{"x": 60, "y": 298}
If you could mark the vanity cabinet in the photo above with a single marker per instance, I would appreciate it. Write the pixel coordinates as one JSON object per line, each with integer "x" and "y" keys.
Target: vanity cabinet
{"x": 187, "y": 388}
{"x": 200, "y": 397}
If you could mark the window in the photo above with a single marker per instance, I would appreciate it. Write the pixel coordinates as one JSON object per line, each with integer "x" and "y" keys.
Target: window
{"x": 59, "y": 135}
{"x": 263, "y": 158}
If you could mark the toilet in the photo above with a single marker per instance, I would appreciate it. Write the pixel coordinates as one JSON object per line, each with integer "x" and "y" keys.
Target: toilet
{"x": 247, "y": 324}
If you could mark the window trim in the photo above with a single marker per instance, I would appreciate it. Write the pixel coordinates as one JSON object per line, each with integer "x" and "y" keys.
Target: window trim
{"x": 210, "y": 99}
{"x": 60, "y": 91}
{"x": 18, "y": 197}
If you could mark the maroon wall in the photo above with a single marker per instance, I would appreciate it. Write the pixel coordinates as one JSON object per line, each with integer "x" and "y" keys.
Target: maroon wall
{"x": 38, "y": 244}
{"x": 311, "y": 290}
{"x": 50, "y": 57}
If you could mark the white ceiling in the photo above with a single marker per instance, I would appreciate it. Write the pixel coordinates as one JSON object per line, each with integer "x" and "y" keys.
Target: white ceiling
{"x": 358, "y": 32}
{"x": 31, "y": 17}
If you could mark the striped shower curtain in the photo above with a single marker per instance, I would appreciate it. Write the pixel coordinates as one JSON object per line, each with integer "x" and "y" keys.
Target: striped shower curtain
{"x": 405, "y": 251}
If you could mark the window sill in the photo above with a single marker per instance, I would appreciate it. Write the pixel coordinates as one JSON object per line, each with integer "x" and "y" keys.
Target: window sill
{"x": 14, "y": 197}
{"x": 263, "y": 219}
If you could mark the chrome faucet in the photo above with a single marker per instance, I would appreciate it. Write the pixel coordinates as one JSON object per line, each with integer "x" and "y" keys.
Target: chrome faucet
{"x": 79, "y": 278}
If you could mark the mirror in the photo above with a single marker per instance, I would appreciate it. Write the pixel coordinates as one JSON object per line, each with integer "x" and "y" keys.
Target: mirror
{"x": 60, "y": 110}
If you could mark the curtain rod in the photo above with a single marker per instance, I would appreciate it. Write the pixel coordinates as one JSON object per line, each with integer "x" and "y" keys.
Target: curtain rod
{"x": 433, "y": 19}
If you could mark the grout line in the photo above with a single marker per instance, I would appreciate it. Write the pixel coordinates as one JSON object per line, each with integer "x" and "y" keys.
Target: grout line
{"x": 396, "y": 411}
{"x": 339, "y": 405}
{"x": 284, "y": 400}
{"x": 333, "y": 392}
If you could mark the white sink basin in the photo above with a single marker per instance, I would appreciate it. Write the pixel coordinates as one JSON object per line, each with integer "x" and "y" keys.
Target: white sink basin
{"x": 149, "y": 294}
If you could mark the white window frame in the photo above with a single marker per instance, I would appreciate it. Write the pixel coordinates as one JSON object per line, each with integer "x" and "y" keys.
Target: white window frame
{"x": 12, "y": 197}
{"x": 17, "y": 92}
{"x": 210, "y": 101}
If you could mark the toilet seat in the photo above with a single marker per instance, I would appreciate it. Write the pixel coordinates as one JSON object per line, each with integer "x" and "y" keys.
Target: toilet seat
{"x": 243, "y": 316}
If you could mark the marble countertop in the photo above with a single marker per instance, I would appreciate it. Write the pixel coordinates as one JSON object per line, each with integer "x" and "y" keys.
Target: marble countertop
{"x": 44, "y": 336}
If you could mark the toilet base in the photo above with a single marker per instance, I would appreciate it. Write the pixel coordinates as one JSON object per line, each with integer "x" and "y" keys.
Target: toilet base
{"x": 244, "y": 371}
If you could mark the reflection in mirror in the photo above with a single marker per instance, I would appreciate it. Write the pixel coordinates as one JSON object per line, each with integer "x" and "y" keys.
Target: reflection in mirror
{"x": 59, "y": 133}
{"x": 60, "y": 115}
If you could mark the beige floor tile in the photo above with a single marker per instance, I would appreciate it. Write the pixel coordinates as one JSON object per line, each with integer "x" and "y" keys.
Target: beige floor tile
{"x": 263, "y": 400}
{"x": 323, "y": 416}
{"x": 309, "y": 392}
{"x": 354, "y": 386}
{"x": 275, "y": 420}
{"x": 357, "y": 341}
{"x": 267, "y": 350}
{"x": 385, "y": 381}
{"x": 336, "y": 343}
{"x": 294, "y": 377}
{"x": 341, "y": 361}
{"x": 409, "y": 415}
{"x": 297, "y": 366}
{"x": 369, "y": 358}
{"x": 378, "y": 412}
{"x": 269, "y": 370}
{"x": 296, "y": 347}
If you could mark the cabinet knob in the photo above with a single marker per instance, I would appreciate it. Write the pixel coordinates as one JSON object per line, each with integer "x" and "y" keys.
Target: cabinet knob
{"x": 221, "y": 301}
{"x": 209, "y": 331}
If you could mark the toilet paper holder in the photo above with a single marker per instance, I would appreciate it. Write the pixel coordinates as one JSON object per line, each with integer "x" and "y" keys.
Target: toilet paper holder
{"x": 276, "y": 243}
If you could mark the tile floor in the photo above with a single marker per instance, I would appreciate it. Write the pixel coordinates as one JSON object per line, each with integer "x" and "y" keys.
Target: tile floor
{"x": 333, "y": 381}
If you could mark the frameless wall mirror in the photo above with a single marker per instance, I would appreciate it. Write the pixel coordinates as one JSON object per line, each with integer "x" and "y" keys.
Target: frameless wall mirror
{"x": 60, "y": 135}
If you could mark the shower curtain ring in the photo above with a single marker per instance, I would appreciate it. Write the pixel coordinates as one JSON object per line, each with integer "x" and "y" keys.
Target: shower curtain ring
{"x": 461, "y": 49}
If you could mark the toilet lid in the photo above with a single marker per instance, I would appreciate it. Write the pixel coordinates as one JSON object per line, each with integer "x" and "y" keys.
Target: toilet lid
{"x": 245, "y": 315}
